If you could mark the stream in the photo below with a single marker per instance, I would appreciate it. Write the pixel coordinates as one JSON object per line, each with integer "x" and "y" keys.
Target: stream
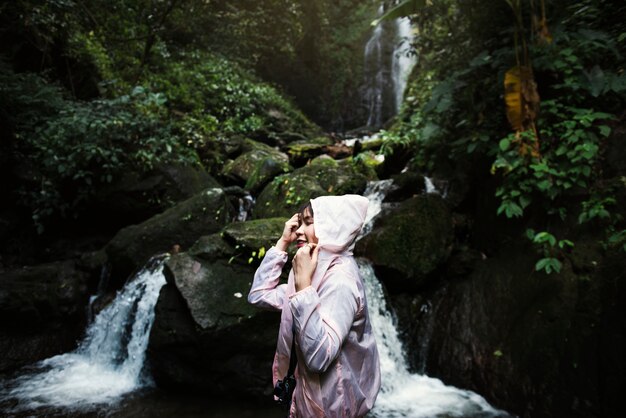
{"x": 106, "y": 375}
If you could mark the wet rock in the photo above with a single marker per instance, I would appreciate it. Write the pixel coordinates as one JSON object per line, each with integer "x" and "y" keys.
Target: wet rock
{"x": 285, "y": 194}
{"x": 139, "y": 196}
{"x": 406, "y": 185}
{"x": 255, "y": 234}
{"x": 302, "y": 151}
{"x": 42, "y": 311}
{"x": 256, "y": 167}
{"x": 527, "y": 341}
{"x": 323, "y": 176}
{"x": 410, "y": 242}
{"x": 206, "y": 338}
{"x": 132, "y": 247}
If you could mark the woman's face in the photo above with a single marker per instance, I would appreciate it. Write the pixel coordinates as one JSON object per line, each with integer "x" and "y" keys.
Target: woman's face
{"x": 306, "y": 231}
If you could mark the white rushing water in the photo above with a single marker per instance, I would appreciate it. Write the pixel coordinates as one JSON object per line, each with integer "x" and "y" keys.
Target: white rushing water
{"x": 107, "y": 364}
{"x": 402, "y": 62}
{"x": 387, "y": 64}
{"x": 405, "y": 394}
{"x": 375, "y": 83}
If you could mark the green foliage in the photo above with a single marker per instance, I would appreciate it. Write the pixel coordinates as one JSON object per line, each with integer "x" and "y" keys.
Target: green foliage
{"x": 550, "y": 249}
{"x": 73, "y": 148}
{"x": 454, "y": 112}
{"x": 569, "y": 154}
{"x": 217, "y": 96}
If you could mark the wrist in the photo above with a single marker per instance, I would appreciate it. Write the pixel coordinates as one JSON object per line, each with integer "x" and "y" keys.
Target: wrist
{"x": 302, "y": 282}
{"x": 282, "y": 245}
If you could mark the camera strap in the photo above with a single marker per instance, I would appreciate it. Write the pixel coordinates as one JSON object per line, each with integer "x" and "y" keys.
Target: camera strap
{"x": 293, "y": 359}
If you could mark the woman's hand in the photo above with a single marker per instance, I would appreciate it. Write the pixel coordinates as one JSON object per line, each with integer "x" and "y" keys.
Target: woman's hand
{"x": 289, "y": 233}
{"x": 304, "y": 264}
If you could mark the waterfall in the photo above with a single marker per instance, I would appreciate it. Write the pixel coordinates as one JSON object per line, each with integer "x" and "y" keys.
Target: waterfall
{"x": 387, "y": 66}
{"x": 404, "y": 394}
{"x": 402, "y": 62}
{"x": 376, "y": 77}
{"x": 108, "y": 362}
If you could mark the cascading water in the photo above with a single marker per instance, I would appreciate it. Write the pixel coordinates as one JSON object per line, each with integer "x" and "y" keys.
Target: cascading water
{"x": 107, "y": 364}
{"x": 402, "y": 61}
{"x": 387, "y": 66}
{"x": 375, "y": 83}
{"x": 404, "y": 394}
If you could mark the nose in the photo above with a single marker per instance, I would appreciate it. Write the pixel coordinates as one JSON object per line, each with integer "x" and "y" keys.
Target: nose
{"x": 300, "y": 230}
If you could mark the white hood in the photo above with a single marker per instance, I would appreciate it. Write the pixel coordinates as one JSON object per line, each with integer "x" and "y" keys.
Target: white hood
{"x": 338, "y": 221}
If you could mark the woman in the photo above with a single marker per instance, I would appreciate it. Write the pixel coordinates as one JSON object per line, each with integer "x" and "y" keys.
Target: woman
{"x": 323, "y": 305}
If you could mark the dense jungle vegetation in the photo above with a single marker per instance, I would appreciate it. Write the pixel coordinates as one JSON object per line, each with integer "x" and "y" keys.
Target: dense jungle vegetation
{"x": 530, "y": 91}
{"x": 92, "y": 90}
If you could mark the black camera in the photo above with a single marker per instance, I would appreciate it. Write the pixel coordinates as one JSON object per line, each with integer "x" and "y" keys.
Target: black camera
{"x": 284, "y": 390}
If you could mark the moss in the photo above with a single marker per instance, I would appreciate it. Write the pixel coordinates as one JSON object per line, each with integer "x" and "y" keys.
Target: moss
{"x": 413, "y": 240}
{"x": 300, "y": 153}
{"x": 255, "y": 168}
{"x": 323, "y": 160}
{"x": 255, "y": 234}
{"x": 285, "y": 194}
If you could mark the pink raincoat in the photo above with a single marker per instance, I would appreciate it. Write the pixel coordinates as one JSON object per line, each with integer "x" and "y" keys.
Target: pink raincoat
{"x": 338, "y": 371}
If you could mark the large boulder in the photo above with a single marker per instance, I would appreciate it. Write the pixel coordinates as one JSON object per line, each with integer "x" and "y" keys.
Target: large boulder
{"x": 305, "y": 150}
{"x": 410, "y": 242}
{"x": 206, "y": 338}
{"x": 323, "y": 176}
{"x": 256, "y": 167}
{"x": 539, "y": 345}
{"x": 135, "y": 196}
{"x": 180, "y": 226}
{"x": 42, "y": 311}
{"x": 256, "y": 234}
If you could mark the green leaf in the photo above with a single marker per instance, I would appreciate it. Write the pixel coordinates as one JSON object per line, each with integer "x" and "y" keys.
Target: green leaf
{"x": 548, "y": 264}
{"x": 604, "y": 130}
{"x": 504, "y": 144}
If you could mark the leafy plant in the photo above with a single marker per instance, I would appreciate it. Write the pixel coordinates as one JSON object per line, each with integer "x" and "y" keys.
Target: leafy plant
{"x": 550, "y": 248}
{"x": 73, "y": 148}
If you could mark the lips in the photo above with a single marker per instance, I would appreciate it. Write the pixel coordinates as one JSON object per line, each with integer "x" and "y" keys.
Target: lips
{"x": 301, "y": 243}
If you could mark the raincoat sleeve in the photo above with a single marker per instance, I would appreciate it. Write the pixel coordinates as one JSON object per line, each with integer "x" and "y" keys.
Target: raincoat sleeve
{"x": 323, "y": 318}
{"x": 265, "y": 291}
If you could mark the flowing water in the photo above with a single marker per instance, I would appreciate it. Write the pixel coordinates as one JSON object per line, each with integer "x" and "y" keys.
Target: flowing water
{"x": 107, "y": 364}
{"x": 105, "y": 375}
{"x": 387, "y": 64}
{"x": 402, "y": 61}
{"x": 404, "y": 394}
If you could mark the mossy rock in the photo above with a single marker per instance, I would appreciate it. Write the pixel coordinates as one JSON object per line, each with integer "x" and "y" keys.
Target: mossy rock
{"x": 324, "y": 160}
{"x": 337, "y": 179}
{"x": 372, "y": 144}
{"x": 300, "y": 153}
{"x": 286, "y": 194}
{"x": 254, "y": 169}
{"x": 367, "y": 164}
{"x": 213, "y": 290}
{"x": 410, "y": 242}
{"x": 255, "y": 234}
{"x": 131, "y": 247}
{"x": 324, "y": 176}
{"x": 211, "y": 247}
{"x": 251, "y": 145}
{"x": 322, "y": 140}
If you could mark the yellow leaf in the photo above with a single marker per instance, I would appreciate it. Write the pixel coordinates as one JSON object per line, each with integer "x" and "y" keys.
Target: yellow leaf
{"x": 521, "y": 98}
{"x": 513, "y": 97}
